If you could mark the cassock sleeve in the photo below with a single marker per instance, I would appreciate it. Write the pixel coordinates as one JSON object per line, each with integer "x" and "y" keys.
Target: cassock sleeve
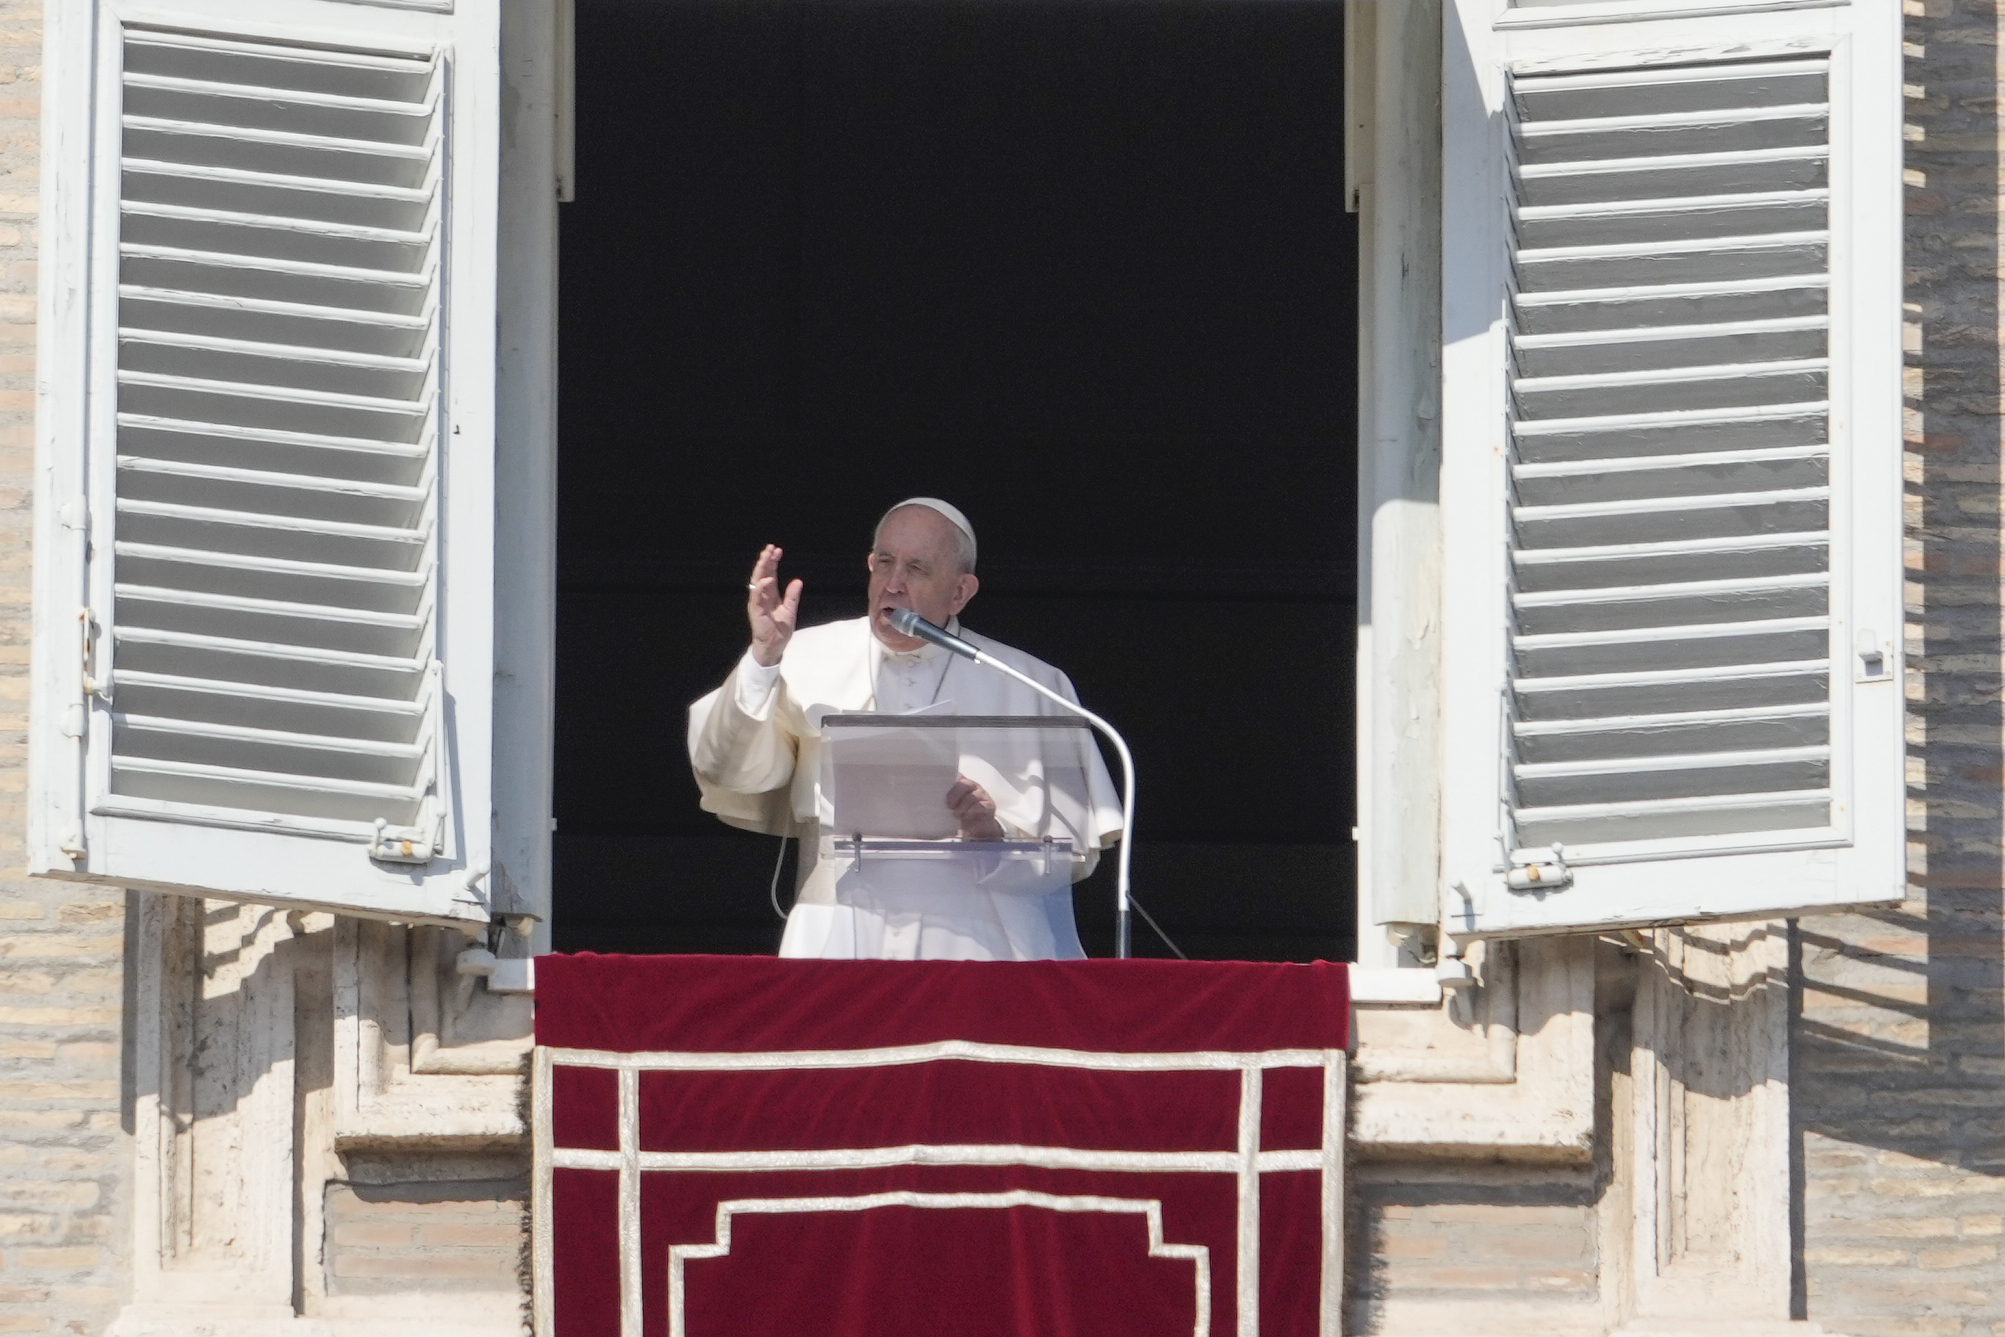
{"x": 742, "y": 755}
{"x": 1104, "y": 798}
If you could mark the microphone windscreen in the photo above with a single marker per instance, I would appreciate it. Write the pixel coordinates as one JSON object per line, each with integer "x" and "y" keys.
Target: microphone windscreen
{"x": 908, "y": 623}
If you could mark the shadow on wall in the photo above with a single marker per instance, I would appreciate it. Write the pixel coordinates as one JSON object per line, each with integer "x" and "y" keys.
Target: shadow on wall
{"x": 1899, "y": 1045}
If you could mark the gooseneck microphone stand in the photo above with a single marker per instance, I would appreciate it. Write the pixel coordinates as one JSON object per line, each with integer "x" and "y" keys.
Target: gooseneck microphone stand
{"x": 908, "y": 623}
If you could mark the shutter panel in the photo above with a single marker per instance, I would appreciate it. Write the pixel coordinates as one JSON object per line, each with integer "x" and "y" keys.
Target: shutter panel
{"x": 275, "y": 572}
{"x": 1671, "y": 461}
{"x": 289, "y": 345}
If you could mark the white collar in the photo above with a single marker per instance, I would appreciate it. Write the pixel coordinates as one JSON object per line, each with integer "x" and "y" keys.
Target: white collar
{"x": 927, "y": 652}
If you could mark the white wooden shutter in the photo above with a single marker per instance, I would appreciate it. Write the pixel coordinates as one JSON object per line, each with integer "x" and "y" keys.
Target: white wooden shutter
{"x": 265, "y": 581}
{"x": 1671, "y": 470}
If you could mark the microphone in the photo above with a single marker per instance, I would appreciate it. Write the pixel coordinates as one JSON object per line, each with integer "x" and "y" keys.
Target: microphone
{"x": 908, "y": 623}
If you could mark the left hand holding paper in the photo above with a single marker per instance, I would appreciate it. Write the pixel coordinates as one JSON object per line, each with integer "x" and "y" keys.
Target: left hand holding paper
{"x": 974, "y": 810}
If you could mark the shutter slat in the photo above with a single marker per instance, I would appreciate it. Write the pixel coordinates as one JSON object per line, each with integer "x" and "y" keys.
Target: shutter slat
{"x": 1645, "y": 291}
{"x": 273, "y": 737}
{"x": 1524, "y": 559}
{"x": 1691, "y": 645}
{"x": 191, "y": 174}
{"x": 277, "y": 370}
{"x": 1650, "y": 566}
{"x": 295, "y": 231}
{"x": 276, "y": 566}
{"x": 1731, "y": 371}
{"x": 1653, "y": 678}
{"x": 1691, "y": 632}
{"x": 295, "y": 523}
{"x": 302, "y": 630}
{"x": 1620, "y": 464}
{"x": 148, "y": 426}
{"x": 1755, "y": 803}
{"x": 225, "y": 473}
{"x": 256, "y": 780}
{"x": 280, "y": 265}
{"x": 238, "y": 137}
{"x": 273, "y": 649}
{"x": 1721, "y": 588}
{"x": 160, "y": 51}
{"x": 1685, "y": 84}
{"x": 1550, "y": 728}
{"x": 1683, "y": 819}
{"x": 1711, "y": 260}
{"x": 1629, "y": 735}
{"x": 1536, "y": 132}
{"x": 1682, "y": 501}
{"x": 1670, "y": 456}
{"x": 1728, "y": 162}
{"x": 389, "y": 320}
{"x": 385, "y": 377}
{"x": 300, "y": 395}
{"x": 1615, "y": 607}
{"x": 285, "y": 696}
{"x": 1710, "y": 246}
{"x": 1578, "y": 339}
{"x": 1801, "y": 423}
{"x": 1694, "y": 761}
{"x": 308, "y": 198}
{"x": 1589, "y": 308}
{"x": 280, "y": 709}
{"x": 1627, "y": 222}
{"x": 419, "y": 112}
{"x": 195, "y": 599}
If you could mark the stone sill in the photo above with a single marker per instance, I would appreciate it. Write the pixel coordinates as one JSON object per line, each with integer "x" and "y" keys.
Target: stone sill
{"x": 1381, "y": 987}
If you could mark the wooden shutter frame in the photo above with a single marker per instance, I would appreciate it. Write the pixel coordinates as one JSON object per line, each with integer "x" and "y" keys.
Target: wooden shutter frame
{"x": 77, "y": 338}
{"x": 1865, "y": 864}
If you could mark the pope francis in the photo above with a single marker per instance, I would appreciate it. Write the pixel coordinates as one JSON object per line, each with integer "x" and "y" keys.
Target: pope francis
{"x": 755, "y": 746}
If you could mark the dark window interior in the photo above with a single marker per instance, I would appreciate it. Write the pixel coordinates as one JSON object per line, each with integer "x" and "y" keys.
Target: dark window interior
{"x": 1081, "y": 267}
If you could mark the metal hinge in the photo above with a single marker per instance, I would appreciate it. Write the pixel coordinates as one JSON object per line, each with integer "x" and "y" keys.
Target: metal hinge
{"x": 93, "y": 683}
{"x": 411, "y": 844}
{"x": 1540, "y": 874}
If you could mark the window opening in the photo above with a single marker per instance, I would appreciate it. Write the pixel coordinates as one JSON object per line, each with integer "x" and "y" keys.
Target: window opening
{"x": 1083, "y": 268}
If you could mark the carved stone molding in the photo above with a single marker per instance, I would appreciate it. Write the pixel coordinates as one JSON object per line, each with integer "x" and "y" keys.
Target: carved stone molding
{"x": 213, "y": 1068}
{"x": 1708, "y": 1142}
{"x": 1696, "y": 1226}
{"x": 261, "y": 1040}
{"x": 1508, "y": 1072}
{"x": 424, "y": 1056}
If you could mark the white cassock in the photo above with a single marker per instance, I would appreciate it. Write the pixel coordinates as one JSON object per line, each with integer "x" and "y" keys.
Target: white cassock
{"x": 755, "y": 746}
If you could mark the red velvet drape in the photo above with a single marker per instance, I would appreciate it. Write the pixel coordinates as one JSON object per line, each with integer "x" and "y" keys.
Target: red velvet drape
{"x": 812, "y": 1189}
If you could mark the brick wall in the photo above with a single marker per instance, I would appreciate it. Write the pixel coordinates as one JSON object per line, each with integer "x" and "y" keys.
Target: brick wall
{"x": 1447, "y": 1234}
{"x": 398, "y": 1235}
{"x": 1899, "y": 1089}
{"x": 62, "y": 1152}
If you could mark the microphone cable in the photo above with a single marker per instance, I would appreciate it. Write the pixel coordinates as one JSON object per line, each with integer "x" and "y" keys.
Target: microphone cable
{"x": 773, "y": 888}
{"x": 1150, "y": 920}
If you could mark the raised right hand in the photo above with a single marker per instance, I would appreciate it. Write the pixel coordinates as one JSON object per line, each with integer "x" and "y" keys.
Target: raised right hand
{"x": 771, "y": 614}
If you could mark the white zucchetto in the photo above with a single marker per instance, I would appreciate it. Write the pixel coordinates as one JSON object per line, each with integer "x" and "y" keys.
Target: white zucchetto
{"x": 946, "y": 508}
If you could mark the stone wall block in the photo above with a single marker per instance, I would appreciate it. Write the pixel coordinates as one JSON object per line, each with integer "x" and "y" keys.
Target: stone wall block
{"x": 1899, "y": 1039}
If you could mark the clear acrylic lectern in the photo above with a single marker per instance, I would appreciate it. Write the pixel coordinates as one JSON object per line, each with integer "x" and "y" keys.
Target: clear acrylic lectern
{"x": 897, "y": 848}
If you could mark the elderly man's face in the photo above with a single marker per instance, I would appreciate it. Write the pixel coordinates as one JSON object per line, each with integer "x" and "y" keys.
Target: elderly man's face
{"x": 915, "y": 566}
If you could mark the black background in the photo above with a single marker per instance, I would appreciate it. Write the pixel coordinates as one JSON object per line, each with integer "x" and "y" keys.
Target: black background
{"x": 1081, "y": 268}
